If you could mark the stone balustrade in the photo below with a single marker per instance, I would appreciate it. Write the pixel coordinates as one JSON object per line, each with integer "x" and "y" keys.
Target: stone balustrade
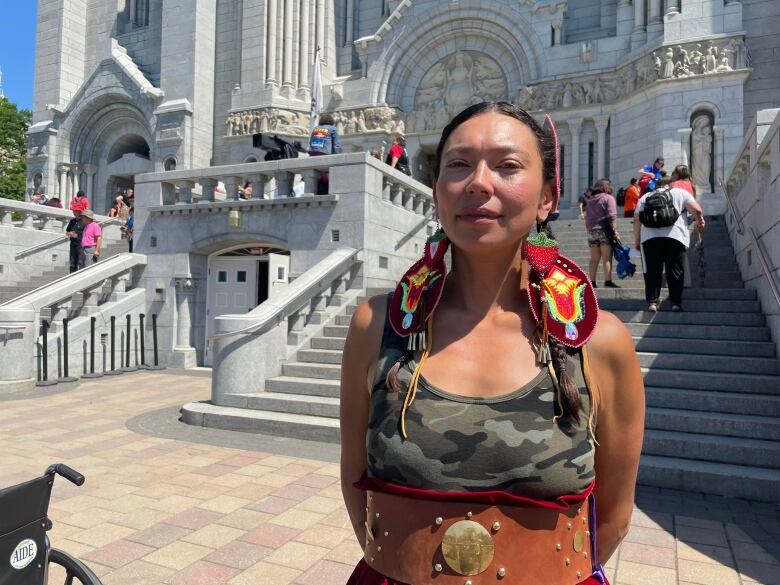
{"x": 101, "y": 289}
{"x": 38, "y": 217}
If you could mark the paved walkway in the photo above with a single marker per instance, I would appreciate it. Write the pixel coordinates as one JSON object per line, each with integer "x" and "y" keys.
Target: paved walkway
{"x": 169, "y": 504}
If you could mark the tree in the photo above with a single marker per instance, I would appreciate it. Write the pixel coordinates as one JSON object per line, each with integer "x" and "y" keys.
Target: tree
{"x": 13, "y": 149}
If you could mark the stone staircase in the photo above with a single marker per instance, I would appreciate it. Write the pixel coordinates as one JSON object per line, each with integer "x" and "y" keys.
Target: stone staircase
{"x": 712, "y": 377}
{"x": 10, "y": 291}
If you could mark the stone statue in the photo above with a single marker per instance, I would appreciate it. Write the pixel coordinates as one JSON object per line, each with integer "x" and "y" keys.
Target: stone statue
{"x": 701, "y": 153}
{"x": 350, "y": 126}
{"x": 459, "y": 82}
{"x": 724, "y": 63}
{"x": 697, "y": 60}
{"x": 667, "y": 70}
{"x": 568, "y": 96}
{"x": 711, "y": 58}
{"x": 361, "y": 122}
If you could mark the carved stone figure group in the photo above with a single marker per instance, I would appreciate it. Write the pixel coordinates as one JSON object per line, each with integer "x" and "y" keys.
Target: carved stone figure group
{"x": 267, "y": 120}
{"x": 380, "y": 118}
{"x": 668, "y": 63}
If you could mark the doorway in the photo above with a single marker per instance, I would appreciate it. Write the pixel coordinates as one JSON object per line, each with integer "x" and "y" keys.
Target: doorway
{"x": 241, "y": 279}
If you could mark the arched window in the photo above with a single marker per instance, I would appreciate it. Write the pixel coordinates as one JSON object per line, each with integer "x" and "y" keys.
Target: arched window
{"x": 170, "y": 164}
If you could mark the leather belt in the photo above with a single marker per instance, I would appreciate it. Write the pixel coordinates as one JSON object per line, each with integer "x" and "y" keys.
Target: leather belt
{"x": 451, "y": 543}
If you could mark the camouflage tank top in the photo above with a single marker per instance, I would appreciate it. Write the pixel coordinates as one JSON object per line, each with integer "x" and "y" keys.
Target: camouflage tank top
{"x": 458, "y": 443}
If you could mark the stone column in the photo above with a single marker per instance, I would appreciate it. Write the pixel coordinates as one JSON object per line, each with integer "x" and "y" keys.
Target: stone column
{"x": 270, "y": 76}
{"x": 207, "y": 189}
{"x": 90, "y": 170}
{"x": 575, "y": 127}
{"x": 719, "y": 162}
{"x": 349, "y": 37}
{"x": 304, "y": 57}
{"x": 685, "y": 145}
{"x": 673, "y": 7}
{"x": 321, "y": 28}
{"x": 655, "y": 12}
{"x": 185, "y": 192}
{"x": 63, "y": 185}
{"x": 231, "y": 187}
{"x": 639, "y": 34}
{"x": 287, "y": 38}
{"x": 310, "y": 180}
{"x": 601, "y": 123}
{"x": 186, "y": 291}
{"x": 258, "y": 186}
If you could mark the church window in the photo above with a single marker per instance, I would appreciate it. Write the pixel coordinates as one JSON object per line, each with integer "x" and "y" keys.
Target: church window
{"x": 141, "y": 16}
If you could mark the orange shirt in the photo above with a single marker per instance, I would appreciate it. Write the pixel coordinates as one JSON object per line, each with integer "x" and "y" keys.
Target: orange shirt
{"x": 632, "y": 198}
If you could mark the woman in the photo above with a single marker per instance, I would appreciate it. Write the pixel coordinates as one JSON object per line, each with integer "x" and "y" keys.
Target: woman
{"x": 681, "y": 179}
{"x": 449, "y": 474}
{"x": 245, "y": 192}
{"x": 119, "y": 209}
{"x": 601, "y": 215}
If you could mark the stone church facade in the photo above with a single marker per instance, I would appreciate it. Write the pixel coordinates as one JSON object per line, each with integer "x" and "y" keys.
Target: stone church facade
{"x": 131, "y": 86}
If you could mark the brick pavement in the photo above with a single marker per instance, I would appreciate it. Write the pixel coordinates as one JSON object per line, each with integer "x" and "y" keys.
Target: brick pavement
{"x": 180, "y": 511}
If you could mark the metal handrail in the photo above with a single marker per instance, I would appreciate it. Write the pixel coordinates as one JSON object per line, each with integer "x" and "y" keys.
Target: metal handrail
{"x": 756, "y": 244}
{"x": 276, "y": 313}
{"x": 58, "y": 240}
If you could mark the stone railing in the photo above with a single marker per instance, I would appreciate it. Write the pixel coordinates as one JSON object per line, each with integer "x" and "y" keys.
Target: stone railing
{"x": 293, "y": 178}
{"x": 252, "y": 347}
{"x": 38, "y": 217}
{"x": 76, "y": 297}
{"x": 753, "y": 193}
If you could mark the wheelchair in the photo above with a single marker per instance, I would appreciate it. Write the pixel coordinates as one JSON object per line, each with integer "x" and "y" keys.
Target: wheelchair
{"x": 26, "y": 556}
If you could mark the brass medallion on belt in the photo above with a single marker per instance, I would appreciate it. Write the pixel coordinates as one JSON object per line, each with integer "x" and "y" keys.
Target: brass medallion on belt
{"x": 467, "y": 547}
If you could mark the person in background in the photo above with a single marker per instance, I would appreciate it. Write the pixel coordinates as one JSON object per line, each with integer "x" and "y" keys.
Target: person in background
{"x": 128, "y": 229}
{"x": 91, "y": 237}
{"x": 582, "y": 202}
{"x": 397, "y": 157}
{"x": 681, "y": 179}
{"x": 79, "y": 202}
{"x": 649, "y": 174}
{"x": 600, "y": 215}
{"x": 119, "y": 209}
{"x": 38, "y": 199}
{"x": 245, "y": 192}
{"x": 665, "y": 247}
{"x": 632, "y": 197}
{"x": 73, "y": 230}
{"x": 129, "y": 197}
{"x": 324, "y": 139}
{"x": 376, "y": 152}
{"x": 54, "y": 202}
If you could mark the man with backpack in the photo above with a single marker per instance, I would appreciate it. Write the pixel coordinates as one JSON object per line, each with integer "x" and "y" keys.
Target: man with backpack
{"x": 662, "y": 235}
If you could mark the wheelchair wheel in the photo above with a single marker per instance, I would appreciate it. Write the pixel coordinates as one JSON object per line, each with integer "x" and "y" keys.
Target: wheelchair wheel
{"x": 68, "y": 570}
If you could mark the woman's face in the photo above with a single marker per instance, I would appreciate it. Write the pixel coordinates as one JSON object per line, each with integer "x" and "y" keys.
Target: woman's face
{"x": 490, "y": 191}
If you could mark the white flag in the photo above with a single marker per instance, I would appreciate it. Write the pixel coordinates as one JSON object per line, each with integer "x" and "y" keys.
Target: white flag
{"x": 316, "y": 93}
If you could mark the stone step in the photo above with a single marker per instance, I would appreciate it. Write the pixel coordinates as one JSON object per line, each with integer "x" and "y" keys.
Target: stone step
{"x": 709, "y": 306}
{"x": 320, "y": 356}
{"x": 299, "y": 426}
{"x": 316, "y": 371}
{"x": 690, "y": 294}
{"x": 302, "y": 385}
{"x": 712, "y": 381}
{"x": 707, "y": 401}
{"x": 693, "y": 363}
{"x": 738, "y": 481}
{"x": 691, "y": 318}
{"x": 336, "y": 343}
{"x": 705, "y": 347}
{"x": 704, "y": 332}
{"x": 290, "y": 403}
{"x": 713, "y": 423}
{"x": 335, "y": 331}
{"x": 755, "y": 452}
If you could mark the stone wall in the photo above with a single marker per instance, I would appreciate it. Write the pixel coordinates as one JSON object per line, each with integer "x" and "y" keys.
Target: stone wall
{"x": 762, "y": 22}
{"x": 754, "y": 188}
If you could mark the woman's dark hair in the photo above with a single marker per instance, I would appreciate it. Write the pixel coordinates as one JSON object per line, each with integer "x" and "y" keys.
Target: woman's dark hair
{"x": 602, "y": 186}
{"x": 545, "y": 141}
{"x": 633, "y": 180}
{"x": 326, "y": 120}
{"x": 569, "y": 394}
{"x": 80, "y": 193}
{"x": 682, "y": 172}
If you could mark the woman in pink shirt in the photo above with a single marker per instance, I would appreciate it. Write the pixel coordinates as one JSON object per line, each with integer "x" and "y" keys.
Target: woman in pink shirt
{"x": 681, "y": 179}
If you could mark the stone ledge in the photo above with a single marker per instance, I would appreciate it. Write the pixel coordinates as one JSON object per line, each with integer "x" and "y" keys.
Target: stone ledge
{"x": 248, "y": 205}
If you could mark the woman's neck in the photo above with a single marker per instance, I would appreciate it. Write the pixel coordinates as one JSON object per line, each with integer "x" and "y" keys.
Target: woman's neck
{"x": 487, "y": 284}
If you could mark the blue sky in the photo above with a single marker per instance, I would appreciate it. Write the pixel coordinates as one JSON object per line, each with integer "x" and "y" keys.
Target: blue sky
{"x": 17, "y": 50}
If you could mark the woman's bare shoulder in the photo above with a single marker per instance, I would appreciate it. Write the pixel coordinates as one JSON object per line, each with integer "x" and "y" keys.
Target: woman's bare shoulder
{"x": 364, "y": 338}
{"x": 613, "y": 358}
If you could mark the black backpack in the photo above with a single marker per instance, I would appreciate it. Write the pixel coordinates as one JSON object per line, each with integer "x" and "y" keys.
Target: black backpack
{"x": 659, "y": 210}
{"x": 402, "y": 164}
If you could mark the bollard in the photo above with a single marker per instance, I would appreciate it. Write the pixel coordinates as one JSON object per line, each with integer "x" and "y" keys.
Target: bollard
{"x": 141, "y": 318}
{"x": 128, "y": 367}
{"x": 156, "y": 365}
{"x": 92, "y": 374}
{"x": 112, "y": 360}
{"x": 44, "y": 381}
{"x": 66, "y": 377}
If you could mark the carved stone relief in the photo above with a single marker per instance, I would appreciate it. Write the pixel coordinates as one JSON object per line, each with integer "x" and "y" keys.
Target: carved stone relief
{"x": 701, "y": 152}
{"x": 37, "y": 146}
{"x": 672, "y": 62}
{"x": 452, "y": 84}
{"x": 267, "y": 120}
